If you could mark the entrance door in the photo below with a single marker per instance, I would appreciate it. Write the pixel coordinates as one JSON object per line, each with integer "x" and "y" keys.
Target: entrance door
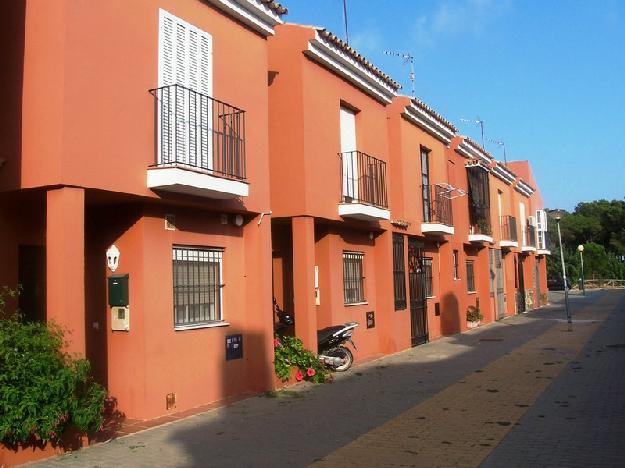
{"x": 520, "y": 296}
{"x": 416, "y": 286}
{"x": 500, "y": 292}
{"x": 31, "y": 276}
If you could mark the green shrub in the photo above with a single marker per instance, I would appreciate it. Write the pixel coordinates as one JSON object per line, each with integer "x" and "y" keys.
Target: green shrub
{"x": 474, "y": 314}
{"x": 289, "y": 353}
{"x": 43, "y": 391}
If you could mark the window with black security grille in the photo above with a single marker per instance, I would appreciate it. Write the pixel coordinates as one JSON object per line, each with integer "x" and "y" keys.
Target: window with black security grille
{"x": 470, "y": 276}
{"x": 353, "y": 278}
{"x": 399, "y": 272}
{"x": 427, "y": 266}
{"x": 197, "y": 286}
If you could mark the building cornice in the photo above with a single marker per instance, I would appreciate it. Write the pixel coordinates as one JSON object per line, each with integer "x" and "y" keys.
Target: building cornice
{"x": 470, "y": 149}
{"x": 524, "y": 188}
{"x": 331, "y": 52}
{"x": 429, "y": 121}
{"x": 260, "y": 15}
{"x": 503, "y": 174}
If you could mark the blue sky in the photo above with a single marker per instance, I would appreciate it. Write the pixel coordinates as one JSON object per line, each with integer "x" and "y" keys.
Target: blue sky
{"x": 546, "y": 77}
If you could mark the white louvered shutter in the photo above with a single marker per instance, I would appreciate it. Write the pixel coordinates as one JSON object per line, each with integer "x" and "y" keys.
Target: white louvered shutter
{"x": 185, "y": 120}
{"x": 347, "y": 124}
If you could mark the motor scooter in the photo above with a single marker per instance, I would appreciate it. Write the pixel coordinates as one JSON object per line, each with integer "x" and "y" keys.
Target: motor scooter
{"x": 330, "y": 341}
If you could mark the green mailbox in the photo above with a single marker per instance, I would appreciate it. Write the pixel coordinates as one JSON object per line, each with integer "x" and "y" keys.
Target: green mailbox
{"x": 118, "y": 290}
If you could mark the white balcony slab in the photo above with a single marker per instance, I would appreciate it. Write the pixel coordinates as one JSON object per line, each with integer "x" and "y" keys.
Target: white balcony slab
{"x": 195, "y": 182}
{"x": 480, "y": 239}
{"x": 508, "y": 243}
{"x": 437, "y": 229}
{"x": 363, "y": 212}
{"x": 528, "y": 248}
{"x": 543, "y": 252}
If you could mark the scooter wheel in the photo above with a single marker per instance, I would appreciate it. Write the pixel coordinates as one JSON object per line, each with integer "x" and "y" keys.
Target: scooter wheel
{"x": 346, "y": 355}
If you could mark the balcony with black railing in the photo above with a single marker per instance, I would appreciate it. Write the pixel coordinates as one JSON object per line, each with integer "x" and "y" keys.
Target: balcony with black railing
{"x": 363, "y": 187}
{"x": 529, "y": 241}
{"x": 200, "y": 145}
{"x": 437, "y": 211}
{"x": 509, "y": 237}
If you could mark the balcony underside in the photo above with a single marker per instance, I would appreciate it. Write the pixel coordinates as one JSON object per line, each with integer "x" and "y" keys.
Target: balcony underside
{"x": 480, "y": 239}
{"x": 508, "y": 244}
{"x": 190, "y": 181}
{"x": 436, "y": 229}
{"x": 543, "y": 252}
{"x": 363, "y": 212}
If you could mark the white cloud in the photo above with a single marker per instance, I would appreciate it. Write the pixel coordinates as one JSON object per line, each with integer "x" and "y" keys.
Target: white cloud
{"x": 458, "y": 17}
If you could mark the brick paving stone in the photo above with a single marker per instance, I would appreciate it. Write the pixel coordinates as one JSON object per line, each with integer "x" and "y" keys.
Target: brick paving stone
{"x": 307, "y": 423}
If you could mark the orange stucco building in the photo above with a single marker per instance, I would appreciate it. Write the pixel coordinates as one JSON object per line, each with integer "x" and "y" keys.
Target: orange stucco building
{"x": 168, "y": 172}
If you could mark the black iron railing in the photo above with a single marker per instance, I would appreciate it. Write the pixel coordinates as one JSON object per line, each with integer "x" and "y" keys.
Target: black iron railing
{"x": 508, "y": 228}
{"x": 199, "y": 131}
{"x": 479, "y": 201}
{"x": 437, "y": 205}
{"x": 363, "y": 178}
{"x": 530, "y": 236}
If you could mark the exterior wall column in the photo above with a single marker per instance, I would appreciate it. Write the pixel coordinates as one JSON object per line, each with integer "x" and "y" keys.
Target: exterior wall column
{"x": 65, "y": 264}
{"x": 303, "y": 228}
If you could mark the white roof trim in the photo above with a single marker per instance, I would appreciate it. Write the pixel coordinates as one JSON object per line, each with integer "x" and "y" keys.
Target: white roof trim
{"x": 466, "y": 148}
{"x": 503, "y": 174}
{"x": 428, "y": 123}
{"x": 349, "y": 68}
{"x": 523, "y": 188}
{"x": 253, "y": 13}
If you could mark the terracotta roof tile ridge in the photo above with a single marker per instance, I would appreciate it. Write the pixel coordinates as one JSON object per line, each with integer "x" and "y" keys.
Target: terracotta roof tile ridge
{"x": 358, "y": 57}
{"x": 275, "y": 7}
{"x": 424, "y": 107}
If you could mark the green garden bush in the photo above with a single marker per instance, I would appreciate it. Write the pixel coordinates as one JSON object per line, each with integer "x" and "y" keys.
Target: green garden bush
{"x": 43, "y": 391}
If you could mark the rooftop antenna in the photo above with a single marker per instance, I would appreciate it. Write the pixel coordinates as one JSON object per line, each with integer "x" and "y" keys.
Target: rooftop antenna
{"x": 479, "y": 122}
{"x": 407, "y": 58}
{"x": 503, "y": 145}
{"x": 345, "y": 20}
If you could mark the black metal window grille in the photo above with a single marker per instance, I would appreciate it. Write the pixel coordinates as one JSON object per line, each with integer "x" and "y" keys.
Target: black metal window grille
{"x": 427, "y": 266}
{"x": 363, "y": 178}
{"x": 399, "y": 272}
{"x": 479, "y": 200}
{"x": 353, "y": 278}
{"x": 425, "y": 184}
{"x": 470, "y": 276}
{"x": 199, "y": 131}
{"x": 508, "y": 228}
{"x": 530, "y": 235}
{"x": 197, "y": 286}
{"x": 456, "y": 269}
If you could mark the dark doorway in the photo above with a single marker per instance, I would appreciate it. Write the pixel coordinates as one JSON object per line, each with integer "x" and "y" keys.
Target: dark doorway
{"x": 32, "y": 279}
{"x": 520, "y": 295}
{"x": 416, "y": 286}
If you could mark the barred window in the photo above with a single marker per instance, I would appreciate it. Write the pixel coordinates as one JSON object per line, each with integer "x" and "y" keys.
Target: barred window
{"x": 470, "y": 276}
{"x": 455, "y": 259}
{"x": 427, "y": 266}
{"x": 399, "y": 271}
{"x": 353, "y": 278}
{"x": 197, "y": 286}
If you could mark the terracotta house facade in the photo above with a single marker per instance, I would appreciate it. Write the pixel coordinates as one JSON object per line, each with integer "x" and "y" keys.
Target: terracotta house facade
{"x": 170, "y": 172}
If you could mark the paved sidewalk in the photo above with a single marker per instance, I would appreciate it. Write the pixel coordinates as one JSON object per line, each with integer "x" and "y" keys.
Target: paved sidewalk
{"x": 309, "y": 424}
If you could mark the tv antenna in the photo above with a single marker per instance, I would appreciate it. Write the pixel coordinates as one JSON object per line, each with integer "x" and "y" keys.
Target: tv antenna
{"x": 407, "y": 58}
{"x": 479, "y": 122}
{"x": 345, "y": 20}
{"x": 503, "y": 145}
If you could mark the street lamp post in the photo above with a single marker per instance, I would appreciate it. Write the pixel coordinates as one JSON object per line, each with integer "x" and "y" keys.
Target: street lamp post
{"x": 566, "y": 287}
{"x": 580, "y": 249}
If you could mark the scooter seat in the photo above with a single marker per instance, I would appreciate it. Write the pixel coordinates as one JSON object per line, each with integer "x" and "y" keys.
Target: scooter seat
{"x": 325, "y": 333}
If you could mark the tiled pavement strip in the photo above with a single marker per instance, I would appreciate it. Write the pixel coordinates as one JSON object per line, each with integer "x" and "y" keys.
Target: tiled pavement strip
{"x": 471, "y": 388}
{"x": 461, "y": 425}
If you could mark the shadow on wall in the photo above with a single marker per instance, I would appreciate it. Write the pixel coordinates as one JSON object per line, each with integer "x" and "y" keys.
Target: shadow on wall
{"x": 450, "y": 314}
{"x": 295, "y": 428}
{"x": 13, "y": 17}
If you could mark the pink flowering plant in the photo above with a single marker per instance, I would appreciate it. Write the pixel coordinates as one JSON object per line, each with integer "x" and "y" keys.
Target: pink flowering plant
{"x": 289, "y": 353}
{"x": 43, "y": 391}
